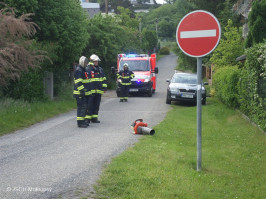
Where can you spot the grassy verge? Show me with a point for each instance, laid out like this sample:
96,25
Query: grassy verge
163,166
17,114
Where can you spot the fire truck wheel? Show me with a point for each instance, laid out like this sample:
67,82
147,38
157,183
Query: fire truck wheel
150,93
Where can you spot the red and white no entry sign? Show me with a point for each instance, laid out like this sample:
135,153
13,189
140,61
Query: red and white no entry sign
198,33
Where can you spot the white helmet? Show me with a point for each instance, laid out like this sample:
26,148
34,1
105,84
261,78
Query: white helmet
82,61
95,58
125,65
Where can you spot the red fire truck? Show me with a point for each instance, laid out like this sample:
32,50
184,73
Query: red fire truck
145,70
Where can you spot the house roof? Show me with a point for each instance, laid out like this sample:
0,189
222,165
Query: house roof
90,5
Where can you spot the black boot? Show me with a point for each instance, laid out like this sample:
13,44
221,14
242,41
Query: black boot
121,100
95,120
87,122
82,125
125,100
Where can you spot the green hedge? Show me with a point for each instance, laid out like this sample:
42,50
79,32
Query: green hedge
225,82
244,88
252,85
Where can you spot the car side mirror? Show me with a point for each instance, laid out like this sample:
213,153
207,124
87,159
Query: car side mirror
156,70
206,83
168,80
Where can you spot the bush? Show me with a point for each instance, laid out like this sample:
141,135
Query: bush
225,82
252,85
164,51
29,87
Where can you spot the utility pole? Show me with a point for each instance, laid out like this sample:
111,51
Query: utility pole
106,7
140,32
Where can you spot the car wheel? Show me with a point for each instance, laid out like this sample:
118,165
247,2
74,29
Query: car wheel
204,101
168,101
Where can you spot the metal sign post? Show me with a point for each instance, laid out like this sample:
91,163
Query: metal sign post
199,81
197,35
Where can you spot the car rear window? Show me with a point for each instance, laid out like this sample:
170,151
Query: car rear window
184,78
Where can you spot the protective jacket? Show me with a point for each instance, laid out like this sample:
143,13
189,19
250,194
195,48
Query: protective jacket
96,78
125,76
79,77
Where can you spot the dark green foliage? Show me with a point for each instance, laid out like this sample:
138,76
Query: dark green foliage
229,48
164,51
257,23
63,24
149,41
22,6
245,88
225,81
29,87
107,39
252,85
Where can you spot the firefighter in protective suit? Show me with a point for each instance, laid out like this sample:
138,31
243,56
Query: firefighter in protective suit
125,77
98,85
79,91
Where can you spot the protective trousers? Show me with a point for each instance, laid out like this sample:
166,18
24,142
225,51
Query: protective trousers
81,110
93,106
124,92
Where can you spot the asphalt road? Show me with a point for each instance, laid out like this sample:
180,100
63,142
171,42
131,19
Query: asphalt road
55,159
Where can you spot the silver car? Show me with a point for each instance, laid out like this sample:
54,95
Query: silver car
183,87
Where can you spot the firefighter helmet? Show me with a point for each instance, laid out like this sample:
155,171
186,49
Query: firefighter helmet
125,65
83,60
94,57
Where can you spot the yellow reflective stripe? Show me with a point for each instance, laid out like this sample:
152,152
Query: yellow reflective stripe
85,81
94,116
78,80
125,83
132,75
104,85
103,78
76,92
87,93
80,87
126,77
97,91
95,79
80,118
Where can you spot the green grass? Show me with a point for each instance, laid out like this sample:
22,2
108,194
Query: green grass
17,114
163,166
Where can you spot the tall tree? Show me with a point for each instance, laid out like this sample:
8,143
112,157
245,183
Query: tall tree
125,19
17,54
108,38
230,47
22,6
149,40
64,26
124,3
257,23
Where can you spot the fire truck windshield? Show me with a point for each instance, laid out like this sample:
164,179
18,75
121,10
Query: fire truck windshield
135,65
